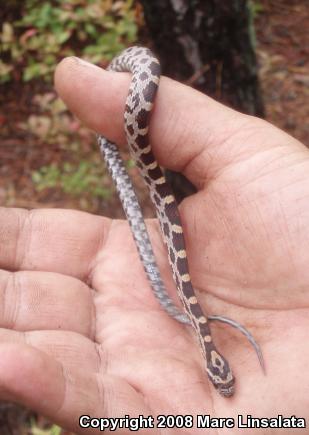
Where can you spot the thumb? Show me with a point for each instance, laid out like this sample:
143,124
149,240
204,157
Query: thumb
189,132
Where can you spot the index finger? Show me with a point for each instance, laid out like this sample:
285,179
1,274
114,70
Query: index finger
62,241
189,132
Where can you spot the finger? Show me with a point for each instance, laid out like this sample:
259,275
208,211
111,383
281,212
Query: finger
32,378
70,349
62,241
44,300
189,131
79,357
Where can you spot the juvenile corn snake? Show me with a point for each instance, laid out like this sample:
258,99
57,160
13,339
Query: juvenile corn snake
145,70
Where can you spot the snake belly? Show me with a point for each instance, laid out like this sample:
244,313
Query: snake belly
146,70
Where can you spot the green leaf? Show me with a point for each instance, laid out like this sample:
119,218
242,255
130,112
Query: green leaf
51,30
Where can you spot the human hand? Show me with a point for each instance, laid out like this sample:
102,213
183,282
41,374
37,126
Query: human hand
82,332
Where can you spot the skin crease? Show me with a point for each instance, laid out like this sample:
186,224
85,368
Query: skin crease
81,331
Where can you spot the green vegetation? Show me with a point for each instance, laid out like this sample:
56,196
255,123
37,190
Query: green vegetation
53,430
49,30
71,179
34,37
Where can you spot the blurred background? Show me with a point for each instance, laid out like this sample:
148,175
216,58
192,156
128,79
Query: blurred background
252,55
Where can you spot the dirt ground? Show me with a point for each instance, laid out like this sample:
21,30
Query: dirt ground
283,53
282,28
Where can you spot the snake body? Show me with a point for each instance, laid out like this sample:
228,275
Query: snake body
145,70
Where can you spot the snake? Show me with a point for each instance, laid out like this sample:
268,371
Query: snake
145,69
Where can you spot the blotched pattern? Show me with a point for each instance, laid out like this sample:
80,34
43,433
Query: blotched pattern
145,70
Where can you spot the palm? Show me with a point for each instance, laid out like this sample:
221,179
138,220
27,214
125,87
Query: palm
247,279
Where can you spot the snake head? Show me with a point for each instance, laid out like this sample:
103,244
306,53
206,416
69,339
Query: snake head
220,374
